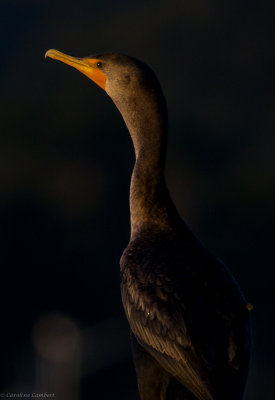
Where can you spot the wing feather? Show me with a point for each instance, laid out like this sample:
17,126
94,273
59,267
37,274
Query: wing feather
158,324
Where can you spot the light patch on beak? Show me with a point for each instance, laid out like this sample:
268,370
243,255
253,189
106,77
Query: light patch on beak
88,66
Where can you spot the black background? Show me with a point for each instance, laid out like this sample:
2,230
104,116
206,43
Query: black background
65,166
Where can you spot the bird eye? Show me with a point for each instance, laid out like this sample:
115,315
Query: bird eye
99,64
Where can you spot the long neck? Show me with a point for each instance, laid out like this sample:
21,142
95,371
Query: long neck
150,202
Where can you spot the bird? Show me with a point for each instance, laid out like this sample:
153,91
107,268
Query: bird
189,320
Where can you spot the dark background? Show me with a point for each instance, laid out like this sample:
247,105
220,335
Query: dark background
65,166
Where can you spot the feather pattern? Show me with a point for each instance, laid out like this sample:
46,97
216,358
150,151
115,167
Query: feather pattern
180,309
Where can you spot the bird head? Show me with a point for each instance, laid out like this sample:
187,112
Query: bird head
122,77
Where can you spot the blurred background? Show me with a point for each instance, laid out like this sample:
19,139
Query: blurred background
65,166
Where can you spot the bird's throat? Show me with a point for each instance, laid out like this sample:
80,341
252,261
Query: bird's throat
145,114
149,197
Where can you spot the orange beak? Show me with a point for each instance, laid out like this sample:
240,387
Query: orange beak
88,66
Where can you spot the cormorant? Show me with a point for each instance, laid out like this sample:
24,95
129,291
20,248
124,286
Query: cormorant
189,320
